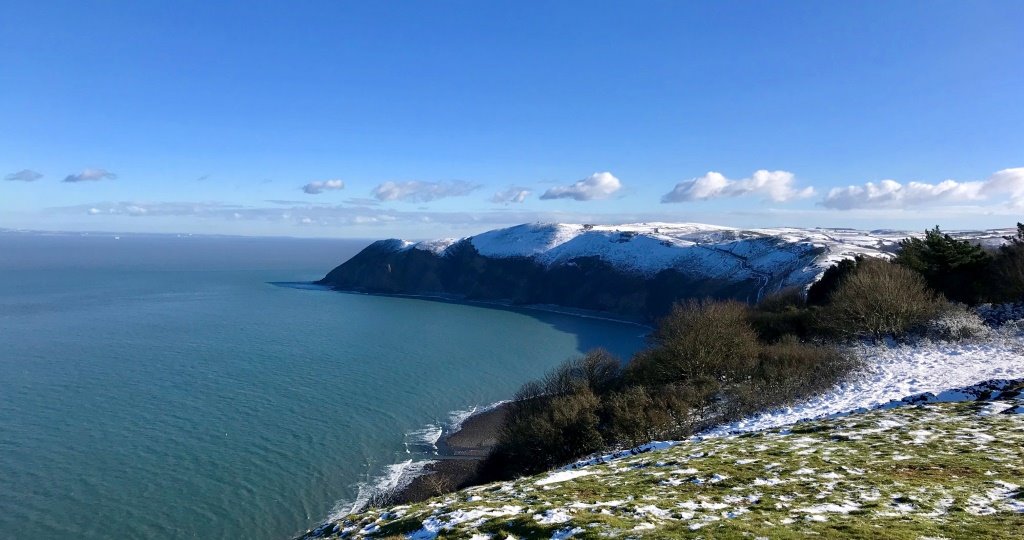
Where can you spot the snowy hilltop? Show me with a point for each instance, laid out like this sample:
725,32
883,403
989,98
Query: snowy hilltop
635,270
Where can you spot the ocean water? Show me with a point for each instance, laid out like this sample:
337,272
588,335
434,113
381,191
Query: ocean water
163,387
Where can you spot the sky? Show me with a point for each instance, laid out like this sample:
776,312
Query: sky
430,119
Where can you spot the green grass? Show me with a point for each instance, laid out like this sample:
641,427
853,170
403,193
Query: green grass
936,471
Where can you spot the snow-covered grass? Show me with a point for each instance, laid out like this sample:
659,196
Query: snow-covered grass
940,470
894,371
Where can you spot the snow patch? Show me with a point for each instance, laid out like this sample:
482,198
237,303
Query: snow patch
924,371
561,476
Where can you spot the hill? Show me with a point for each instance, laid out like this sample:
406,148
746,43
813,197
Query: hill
636,271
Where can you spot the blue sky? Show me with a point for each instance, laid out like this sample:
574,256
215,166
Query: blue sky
421,119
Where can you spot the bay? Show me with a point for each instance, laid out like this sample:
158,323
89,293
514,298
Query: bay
157,386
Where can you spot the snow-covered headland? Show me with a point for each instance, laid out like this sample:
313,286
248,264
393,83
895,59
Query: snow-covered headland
635,271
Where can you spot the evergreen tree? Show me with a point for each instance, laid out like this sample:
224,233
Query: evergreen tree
1007,282
956,268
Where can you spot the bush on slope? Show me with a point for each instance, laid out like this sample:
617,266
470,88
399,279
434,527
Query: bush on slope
706,364
877,300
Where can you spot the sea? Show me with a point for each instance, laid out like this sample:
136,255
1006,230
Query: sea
174,386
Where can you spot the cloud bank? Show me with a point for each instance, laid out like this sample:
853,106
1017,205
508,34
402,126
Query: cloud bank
511,195
599,185
24,175
318,187
418,191
90,175
776,186
1006,185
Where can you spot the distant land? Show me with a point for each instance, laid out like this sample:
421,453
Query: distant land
634,271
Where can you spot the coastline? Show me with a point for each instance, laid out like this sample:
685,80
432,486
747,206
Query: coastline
459,453
452,299
461,445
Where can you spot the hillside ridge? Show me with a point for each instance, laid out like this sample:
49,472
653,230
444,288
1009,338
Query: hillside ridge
633,270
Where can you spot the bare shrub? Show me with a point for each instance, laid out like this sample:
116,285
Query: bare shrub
545,432
955,323
791,369
788,371
438,484
879,299
782,300
634,417
598,370
700,339
820,292
780,314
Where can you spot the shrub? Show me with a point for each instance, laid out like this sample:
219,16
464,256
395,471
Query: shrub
821,291
788,371
780,314
687,405
545,432
598,371
699,339
956,268
954,323
1000,314
791,369
879,299
634,417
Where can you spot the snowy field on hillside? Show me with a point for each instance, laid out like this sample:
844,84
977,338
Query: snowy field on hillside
895,371
949,470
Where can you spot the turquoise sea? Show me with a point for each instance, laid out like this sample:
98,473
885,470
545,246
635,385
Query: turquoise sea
162,387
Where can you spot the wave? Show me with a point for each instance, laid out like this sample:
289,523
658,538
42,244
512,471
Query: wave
395,477
456,418
424,439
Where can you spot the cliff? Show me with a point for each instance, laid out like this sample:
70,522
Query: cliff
636,271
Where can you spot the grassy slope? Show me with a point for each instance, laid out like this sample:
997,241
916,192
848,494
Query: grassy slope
935,471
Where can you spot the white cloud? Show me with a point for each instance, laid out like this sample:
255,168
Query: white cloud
599,185
90,175
776,186
24,175
1006,185
511,195
320,186
417,191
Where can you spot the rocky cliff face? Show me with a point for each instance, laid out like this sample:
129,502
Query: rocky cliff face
636,271
585,283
